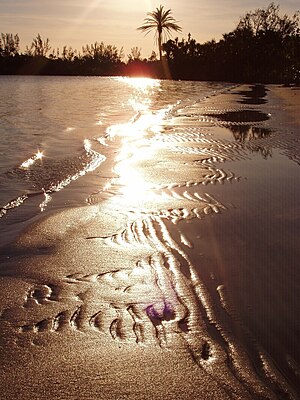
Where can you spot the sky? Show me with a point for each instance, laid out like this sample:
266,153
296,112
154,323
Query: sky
79,22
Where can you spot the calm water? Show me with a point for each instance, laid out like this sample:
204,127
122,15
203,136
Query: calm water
59,140
61,120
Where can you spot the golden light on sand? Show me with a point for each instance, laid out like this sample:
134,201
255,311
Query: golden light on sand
134,188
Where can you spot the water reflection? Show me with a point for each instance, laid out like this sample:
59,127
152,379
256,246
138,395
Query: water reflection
141,84
144,120
135,147
249,135
138,126
240,116
256,95
245,133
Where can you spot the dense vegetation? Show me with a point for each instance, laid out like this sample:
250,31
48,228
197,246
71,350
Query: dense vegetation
264,47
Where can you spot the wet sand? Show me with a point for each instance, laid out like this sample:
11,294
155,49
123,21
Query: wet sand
290,97
180,279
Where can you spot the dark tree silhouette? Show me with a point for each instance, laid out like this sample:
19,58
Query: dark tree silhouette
135,54
39,47
9,44
162,23
269,19
264,47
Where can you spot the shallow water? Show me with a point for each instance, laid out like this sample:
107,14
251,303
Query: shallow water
201,191
63,119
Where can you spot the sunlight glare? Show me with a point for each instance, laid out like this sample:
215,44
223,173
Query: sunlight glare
47,200
134,188
97,157
37,156
140,84
139,126
87,145
135,146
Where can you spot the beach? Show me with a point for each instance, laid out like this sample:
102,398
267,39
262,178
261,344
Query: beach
178,277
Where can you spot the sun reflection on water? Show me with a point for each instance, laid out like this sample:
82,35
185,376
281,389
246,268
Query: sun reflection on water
141,124
144,121
37,156
141,84
135,145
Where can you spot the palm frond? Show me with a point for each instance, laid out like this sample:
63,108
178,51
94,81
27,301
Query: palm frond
162,22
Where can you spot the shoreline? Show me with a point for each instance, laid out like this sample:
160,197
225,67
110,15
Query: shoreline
111,301
290,100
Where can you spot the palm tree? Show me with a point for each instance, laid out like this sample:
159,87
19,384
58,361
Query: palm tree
162,23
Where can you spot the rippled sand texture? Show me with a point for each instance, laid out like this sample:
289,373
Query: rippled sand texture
130,297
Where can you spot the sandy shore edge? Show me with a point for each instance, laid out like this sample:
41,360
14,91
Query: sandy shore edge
148,372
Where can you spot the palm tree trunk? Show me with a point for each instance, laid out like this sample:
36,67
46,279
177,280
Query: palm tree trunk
159,46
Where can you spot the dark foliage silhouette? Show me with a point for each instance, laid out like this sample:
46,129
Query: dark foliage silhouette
264,47
162,23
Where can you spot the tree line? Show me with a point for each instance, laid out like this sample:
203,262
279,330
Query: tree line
263,47
40,59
